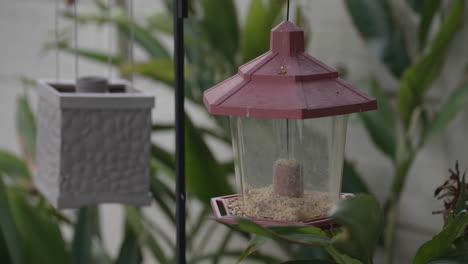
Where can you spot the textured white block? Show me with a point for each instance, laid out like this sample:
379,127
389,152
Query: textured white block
93,147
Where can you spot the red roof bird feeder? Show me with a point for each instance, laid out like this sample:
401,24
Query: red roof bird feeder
288,119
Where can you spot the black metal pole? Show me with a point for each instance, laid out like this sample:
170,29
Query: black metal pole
180,12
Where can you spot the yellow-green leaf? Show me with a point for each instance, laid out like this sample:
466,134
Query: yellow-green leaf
8,227
454,104
442,241
419,77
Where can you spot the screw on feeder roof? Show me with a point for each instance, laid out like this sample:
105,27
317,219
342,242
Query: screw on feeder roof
286,82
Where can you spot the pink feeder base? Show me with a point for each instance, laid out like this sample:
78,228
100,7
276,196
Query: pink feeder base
221,202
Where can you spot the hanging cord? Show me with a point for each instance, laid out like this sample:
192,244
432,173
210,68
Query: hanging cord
287,11
57,48
75,23
132,40
109,41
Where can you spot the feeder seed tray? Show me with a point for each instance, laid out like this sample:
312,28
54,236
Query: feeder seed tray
223,202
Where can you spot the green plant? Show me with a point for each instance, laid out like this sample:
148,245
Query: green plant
398,33
362,225
27,219
361,217
450,245
401,31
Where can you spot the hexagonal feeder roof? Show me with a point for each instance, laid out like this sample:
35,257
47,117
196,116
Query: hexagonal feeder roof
286,82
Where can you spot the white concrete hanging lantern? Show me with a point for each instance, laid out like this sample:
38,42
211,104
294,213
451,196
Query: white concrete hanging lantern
93,143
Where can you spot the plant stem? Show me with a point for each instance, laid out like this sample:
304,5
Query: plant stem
393,208
390,230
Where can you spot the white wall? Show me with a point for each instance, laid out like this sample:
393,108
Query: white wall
24,26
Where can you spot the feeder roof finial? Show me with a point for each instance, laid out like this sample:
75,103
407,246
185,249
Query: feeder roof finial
287,39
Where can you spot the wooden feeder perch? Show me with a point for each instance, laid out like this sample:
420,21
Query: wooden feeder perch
288,119
93,143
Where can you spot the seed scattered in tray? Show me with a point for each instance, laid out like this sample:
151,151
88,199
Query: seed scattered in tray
265,203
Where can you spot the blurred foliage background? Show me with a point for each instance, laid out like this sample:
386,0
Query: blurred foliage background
410,37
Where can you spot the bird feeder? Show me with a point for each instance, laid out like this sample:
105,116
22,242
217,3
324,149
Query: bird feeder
93,143
288,115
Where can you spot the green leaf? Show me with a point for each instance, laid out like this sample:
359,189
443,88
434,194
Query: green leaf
9,232
293,229
457,254
165,158
447,113
342,243
341,258
305,252
362,218
4,254
419,77
461,243
235,254
459,258
429,10
163,127
352,181
143,38
442,241
159,190
304,235
13,166
309,261
255,243
462,198
396,55
202,167
223,36
161,70
26,127
380,124
416,5
373,21
129,251
82,239
100,256
34,226
161,21
249,226
259,22
137,226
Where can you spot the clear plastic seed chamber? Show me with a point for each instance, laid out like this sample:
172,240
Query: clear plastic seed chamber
288,115
288,169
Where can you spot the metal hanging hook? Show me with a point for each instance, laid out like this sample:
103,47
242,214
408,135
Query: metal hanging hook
56,36
109,41
132,40
75,36
287,11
